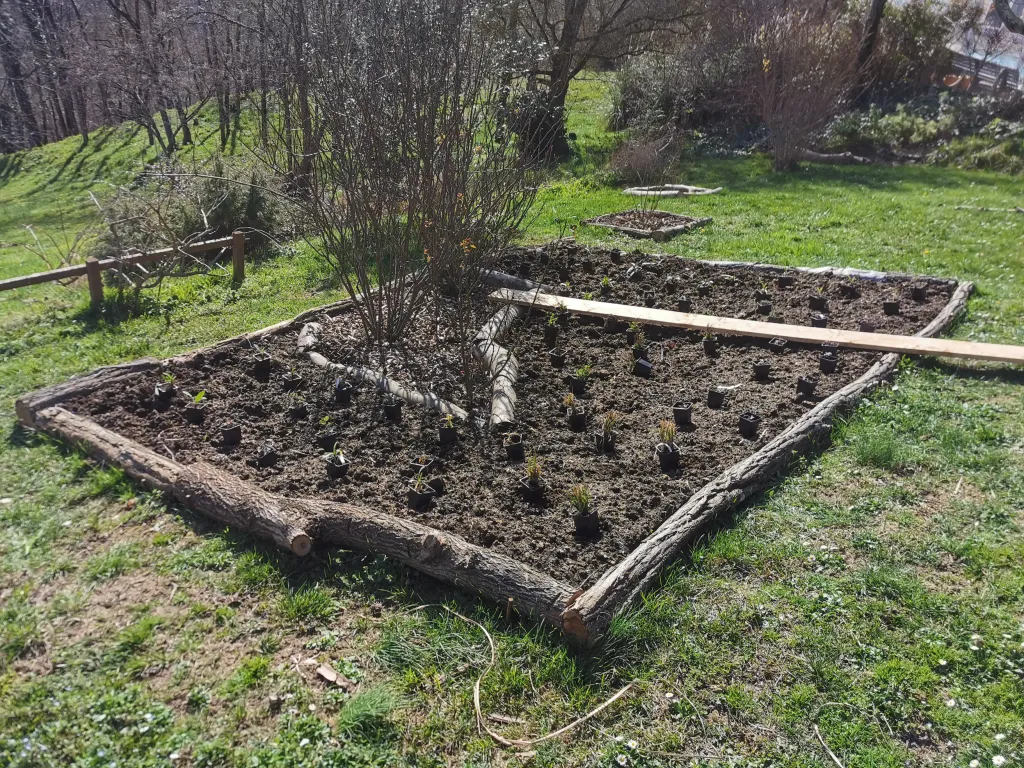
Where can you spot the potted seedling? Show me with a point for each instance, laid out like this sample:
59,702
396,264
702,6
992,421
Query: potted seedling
666,449
892,305
423,464
291,381
262,362
575,412
266,455
763,293
446,433
420,492
631,333
515,449
710,342
606,286
532,485
230,433
805,385
704,288
819,320
919,292
392,408
523,269
563,315
616,256
828,361
195,411
749,422
818,301
583,516
556,357
684,304
776,319
587,265
762,370
643,368
563,274
785,281
578,380
297,408
639,346
849,289
866,326
606,437
588,295
716,397
342,391
764,308
328,436
337,464
682,413
164,390
778,346
551,331
650,299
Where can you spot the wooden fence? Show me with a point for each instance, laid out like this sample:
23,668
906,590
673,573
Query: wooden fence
93,268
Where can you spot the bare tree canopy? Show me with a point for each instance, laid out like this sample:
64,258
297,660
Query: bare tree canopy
1013,22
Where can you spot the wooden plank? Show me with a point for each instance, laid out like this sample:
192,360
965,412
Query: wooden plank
237,257
877,342
42,277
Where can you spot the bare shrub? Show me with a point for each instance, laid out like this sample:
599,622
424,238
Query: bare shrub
803,66
646,160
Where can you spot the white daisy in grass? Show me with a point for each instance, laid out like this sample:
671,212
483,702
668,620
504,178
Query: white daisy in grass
622,760
998,760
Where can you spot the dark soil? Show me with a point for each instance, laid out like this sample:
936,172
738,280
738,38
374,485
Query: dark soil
646,220
481,502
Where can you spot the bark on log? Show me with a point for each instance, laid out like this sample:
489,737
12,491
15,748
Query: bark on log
667,233
309,337
838,158
589,615
295,524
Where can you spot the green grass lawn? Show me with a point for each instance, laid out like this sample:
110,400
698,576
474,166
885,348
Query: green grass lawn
876,595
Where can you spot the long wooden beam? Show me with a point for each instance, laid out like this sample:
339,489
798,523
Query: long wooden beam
877,342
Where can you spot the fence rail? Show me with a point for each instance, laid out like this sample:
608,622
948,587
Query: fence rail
94,268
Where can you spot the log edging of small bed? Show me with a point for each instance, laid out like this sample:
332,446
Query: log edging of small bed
589,615
660,235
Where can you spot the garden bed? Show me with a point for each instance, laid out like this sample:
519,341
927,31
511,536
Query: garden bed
660,225
294,410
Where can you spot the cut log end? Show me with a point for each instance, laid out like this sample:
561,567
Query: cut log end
301,545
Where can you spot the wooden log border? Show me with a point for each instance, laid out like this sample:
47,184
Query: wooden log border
660,235
297,524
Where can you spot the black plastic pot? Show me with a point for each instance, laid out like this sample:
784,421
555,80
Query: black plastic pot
195,413
716,397
606,290
563,274
830,346
326,441
785,281
605,441
805,385
587,266
682,413
643,368
668,455
891,307
266,455
298,411
684,304
447,435
613,325
437,485
762,294
828,362
817,302
650,299
778,346
919,292
704,288
563,318
550,335
557,358
291,382
524,269
616,256
762,370
640,353
630,337
262,362
515,448
849,290
577,384
532,492
577,418
231,434
337,467
819,320
710,346
749,422
421,498
775,319
587,524
392,409
764,308
343,391
163,392
417,467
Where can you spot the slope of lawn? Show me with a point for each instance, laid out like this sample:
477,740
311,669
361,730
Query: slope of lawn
875,597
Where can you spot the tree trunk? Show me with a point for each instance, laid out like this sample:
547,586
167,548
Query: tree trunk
867,47
12,66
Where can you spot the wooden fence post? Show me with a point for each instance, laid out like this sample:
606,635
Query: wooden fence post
95,277
237,257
